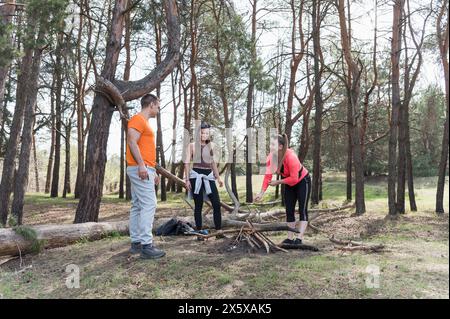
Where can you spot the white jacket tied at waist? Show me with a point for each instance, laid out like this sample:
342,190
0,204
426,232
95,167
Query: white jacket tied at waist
202,178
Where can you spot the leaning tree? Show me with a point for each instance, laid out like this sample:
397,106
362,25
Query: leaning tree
112,94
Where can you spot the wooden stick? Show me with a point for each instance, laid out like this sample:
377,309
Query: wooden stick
345,242
273,244
246,238
253,238
373,248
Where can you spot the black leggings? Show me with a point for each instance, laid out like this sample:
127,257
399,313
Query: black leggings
198,200
299,192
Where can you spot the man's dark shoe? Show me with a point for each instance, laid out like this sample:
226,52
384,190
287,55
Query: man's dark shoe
204,232
298,241
287,241
135,248
151,252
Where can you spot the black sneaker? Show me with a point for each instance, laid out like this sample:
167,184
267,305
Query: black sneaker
297,241
287,241
135,248
151,252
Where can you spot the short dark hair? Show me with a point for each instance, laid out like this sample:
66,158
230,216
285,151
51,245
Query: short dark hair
148,99
205,125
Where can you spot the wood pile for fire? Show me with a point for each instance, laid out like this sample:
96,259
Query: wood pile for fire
253,239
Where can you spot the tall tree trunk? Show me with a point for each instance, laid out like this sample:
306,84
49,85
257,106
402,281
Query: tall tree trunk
13,142
443,39
296,57
161,157
36,168
171,185
123,132
402,117
80,146
66,188
396,103
52,139
409,167
79,89
304,137
318,103
249,116
21,178
194,91
401,160
353,96
159,138
6,14
222,59
349,164
234,188
58,115
122,162
4,111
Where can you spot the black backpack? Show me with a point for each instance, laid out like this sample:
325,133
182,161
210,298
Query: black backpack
174,227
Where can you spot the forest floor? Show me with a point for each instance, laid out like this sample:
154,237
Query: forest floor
415,263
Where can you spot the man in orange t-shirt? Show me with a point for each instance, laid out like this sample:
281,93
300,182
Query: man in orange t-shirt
141,160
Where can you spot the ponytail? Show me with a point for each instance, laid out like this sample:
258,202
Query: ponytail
282,140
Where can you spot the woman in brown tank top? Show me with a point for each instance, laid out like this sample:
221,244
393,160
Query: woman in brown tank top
202,177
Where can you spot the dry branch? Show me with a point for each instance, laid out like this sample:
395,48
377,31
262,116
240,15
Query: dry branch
350,245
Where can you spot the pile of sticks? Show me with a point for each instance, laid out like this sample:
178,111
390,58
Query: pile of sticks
254,239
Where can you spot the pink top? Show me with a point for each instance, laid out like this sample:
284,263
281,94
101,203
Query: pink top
290,174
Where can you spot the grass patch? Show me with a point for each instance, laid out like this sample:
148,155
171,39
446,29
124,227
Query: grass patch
29,234
224,279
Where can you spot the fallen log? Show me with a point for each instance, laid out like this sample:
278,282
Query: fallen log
13,243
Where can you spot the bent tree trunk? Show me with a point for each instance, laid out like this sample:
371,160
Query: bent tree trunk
102,112
89,204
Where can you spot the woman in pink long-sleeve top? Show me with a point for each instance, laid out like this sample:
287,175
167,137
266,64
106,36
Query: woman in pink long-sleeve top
283,160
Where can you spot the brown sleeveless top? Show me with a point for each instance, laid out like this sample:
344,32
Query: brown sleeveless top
204,159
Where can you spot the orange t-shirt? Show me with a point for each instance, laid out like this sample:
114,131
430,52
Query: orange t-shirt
146,142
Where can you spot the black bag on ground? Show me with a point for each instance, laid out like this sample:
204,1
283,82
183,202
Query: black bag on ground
174,227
